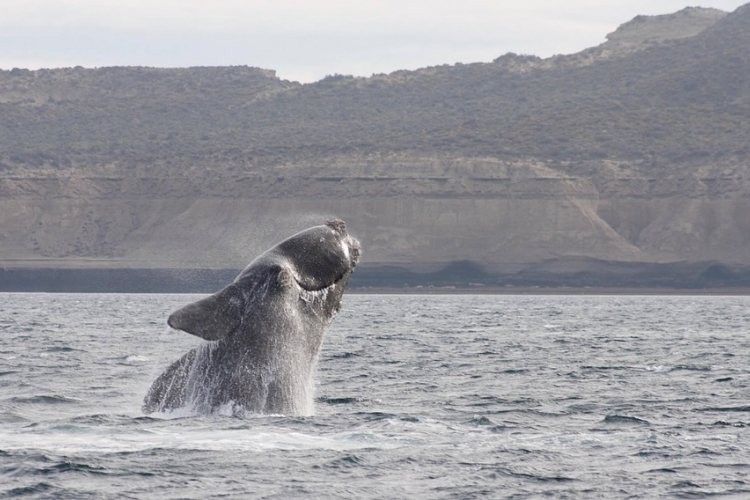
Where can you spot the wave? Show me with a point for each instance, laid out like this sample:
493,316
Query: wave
742,409
338,401
44,399
624,419
34,489
63,349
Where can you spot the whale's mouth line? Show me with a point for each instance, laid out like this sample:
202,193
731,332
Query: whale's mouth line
312,289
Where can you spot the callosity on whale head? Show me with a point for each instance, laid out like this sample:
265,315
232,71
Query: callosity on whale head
267,327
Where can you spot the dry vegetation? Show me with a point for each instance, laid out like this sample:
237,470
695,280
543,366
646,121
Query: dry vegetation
669,102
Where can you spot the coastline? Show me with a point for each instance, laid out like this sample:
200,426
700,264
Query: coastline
534,290
376,281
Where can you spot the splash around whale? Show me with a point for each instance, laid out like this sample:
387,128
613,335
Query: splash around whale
263,331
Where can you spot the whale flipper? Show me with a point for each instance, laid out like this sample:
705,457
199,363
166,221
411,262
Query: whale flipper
212,318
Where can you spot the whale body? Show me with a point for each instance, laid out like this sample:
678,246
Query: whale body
263,331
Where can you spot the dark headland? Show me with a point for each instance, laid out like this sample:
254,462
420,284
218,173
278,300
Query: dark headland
624,166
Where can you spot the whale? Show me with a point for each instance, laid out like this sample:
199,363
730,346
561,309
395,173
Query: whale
262,332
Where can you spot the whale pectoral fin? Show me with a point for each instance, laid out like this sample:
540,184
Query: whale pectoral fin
212,318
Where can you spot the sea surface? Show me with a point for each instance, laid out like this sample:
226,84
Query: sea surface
418,397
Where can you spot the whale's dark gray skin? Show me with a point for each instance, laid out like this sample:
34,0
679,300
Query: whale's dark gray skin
264,330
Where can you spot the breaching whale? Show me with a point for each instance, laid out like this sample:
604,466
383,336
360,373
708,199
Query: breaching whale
264,330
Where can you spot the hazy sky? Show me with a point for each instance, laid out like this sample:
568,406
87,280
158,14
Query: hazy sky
306,40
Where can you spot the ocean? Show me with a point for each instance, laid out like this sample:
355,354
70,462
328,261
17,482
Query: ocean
418,397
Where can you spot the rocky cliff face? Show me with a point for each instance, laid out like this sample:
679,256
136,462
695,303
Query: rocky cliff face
633,151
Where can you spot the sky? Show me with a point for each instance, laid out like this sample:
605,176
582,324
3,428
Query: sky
306,40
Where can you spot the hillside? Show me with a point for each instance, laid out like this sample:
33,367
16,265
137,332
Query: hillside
633,151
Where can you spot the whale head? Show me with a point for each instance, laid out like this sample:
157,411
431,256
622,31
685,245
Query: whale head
307,272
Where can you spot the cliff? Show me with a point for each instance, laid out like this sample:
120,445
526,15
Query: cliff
633,151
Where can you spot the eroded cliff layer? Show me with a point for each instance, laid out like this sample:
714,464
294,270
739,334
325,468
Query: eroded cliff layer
414,211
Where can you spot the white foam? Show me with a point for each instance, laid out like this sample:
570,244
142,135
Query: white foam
82,439
134,358
659,368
